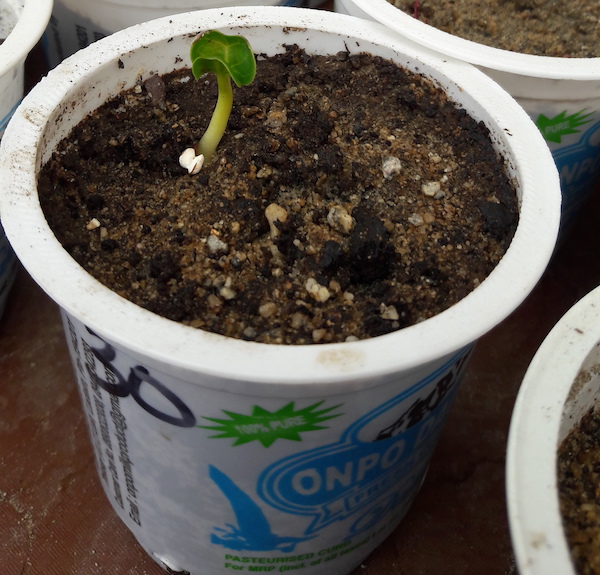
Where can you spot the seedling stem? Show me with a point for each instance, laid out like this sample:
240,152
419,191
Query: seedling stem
229,58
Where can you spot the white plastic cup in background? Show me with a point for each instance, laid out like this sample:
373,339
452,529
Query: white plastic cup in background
11,78
561,384
77,23
27,21
221,454
561,95
21,27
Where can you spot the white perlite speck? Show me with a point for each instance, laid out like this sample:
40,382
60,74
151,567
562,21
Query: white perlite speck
390,166
431,188
416,220
388,312
316,290
93,224
275,213
216,245
340,220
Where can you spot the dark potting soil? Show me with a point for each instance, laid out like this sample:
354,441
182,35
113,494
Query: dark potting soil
563,28
349,198
579,490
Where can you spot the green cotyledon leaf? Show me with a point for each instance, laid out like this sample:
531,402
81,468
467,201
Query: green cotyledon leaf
216,52
553,129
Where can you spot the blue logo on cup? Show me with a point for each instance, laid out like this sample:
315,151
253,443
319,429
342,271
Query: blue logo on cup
373,470
579,168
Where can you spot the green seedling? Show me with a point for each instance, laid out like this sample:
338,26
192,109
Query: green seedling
229,58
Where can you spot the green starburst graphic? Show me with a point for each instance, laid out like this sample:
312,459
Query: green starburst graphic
267,427
553,129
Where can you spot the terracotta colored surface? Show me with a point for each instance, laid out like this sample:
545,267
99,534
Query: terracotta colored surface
54,518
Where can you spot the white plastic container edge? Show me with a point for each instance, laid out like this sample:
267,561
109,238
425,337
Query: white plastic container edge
232,359
33,17
562,95
22,27
545,411
479,54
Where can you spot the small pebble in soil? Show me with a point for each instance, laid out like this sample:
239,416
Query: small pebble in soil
391,165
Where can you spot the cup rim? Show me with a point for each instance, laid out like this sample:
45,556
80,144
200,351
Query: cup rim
25,35
535,435
460,325
547,67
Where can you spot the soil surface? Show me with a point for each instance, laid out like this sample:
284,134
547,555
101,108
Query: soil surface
564,28
579,489
348,199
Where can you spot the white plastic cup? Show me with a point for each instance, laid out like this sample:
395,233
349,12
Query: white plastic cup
561,384
77,23
561,95
223,455
22,24
27,21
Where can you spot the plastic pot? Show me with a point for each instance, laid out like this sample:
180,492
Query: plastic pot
21,27
224,455
560,386
562,95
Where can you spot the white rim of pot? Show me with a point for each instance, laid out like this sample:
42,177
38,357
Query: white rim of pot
175,5
191,349
25,35
480,54
535,433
